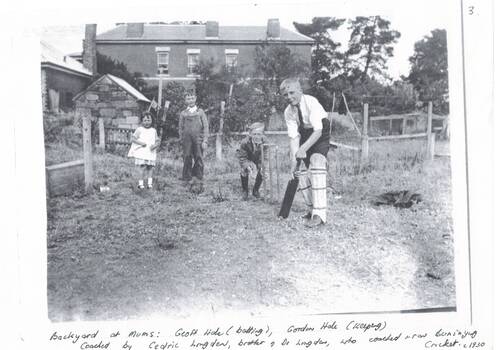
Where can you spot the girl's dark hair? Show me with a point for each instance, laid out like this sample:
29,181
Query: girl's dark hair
147,114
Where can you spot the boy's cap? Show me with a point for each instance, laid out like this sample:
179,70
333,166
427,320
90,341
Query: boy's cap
256,126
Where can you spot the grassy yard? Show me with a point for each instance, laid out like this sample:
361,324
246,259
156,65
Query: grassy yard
168,252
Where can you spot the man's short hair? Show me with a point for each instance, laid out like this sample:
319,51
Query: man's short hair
190,92
289,82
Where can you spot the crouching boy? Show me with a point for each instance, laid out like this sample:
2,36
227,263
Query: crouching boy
250,158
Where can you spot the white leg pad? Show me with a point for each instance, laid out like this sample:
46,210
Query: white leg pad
305,187
318,185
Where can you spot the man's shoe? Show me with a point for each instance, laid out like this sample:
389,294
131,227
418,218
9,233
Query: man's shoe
256,194
314,222
245,196
307,216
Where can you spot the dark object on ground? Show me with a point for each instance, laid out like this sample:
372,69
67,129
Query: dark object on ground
399,199
431,275
315,221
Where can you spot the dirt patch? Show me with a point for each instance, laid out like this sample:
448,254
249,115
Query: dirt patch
126,254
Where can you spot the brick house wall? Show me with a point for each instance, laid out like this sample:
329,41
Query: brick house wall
142,57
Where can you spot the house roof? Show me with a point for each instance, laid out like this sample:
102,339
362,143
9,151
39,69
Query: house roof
118,81
175,32
52,57
126,86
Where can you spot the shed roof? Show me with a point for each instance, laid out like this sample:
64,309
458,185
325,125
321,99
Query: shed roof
197,32
126,86
50,56
121,83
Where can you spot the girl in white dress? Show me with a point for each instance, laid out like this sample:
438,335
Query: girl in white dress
144,149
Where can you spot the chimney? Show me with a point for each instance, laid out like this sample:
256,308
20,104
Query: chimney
90,48
273,28
212,29
134,30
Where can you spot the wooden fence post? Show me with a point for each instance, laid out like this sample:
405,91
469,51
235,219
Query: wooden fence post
404,125
431,155
101,134
364,137
276,160
263,172
219,135
87,149
429,139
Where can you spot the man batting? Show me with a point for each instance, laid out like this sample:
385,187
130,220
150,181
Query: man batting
309,131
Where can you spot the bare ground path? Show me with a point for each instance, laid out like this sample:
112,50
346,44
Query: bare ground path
122,254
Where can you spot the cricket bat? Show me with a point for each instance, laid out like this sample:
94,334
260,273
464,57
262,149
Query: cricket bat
290,191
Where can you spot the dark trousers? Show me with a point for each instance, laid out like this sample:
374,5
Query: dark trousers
193,163
321,146
245,182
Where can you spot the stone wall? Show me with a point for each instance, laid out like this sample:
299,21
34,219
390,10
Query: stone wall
109,101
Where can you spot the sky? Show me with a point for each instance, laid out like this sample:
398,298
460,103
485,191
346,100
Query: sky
413,19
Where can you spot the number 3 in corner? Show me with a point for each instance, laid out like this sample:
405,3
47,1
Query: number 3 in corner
471,10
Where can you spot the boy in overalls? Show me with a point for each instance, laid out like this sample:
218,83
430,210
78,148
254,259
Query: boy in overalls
250,157
193,132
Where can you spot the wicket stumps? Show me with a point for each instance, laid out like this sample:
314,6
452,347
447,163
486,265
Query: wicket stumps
270,170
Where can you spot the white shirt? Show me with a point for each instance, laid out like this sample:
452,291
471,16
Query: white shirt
149,136
312,115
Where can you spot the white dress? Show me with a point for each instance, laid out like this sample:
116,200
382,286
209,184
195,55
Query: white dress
144,155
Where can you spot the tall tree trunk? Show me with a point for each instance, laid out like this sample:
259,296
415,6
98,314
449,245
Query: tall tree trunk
370,52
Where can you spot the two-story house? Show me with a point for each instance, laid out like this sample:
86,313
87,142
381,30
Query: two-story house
174,51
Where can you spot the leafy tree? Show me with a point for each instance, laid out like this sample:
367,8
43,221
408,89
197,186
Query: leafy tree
429,74
253,99
403,97
273,64
108,65
325,60
213,86
371,44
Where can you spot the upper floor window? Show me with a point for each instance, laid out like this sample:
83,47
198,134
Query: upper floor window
162,60
231,59
193,60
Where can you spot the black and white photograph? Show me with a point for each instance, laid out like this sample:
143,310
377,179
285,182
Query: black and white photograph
253,161
169,147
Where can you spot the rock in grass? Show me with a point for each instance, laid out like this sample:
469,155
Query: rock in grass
432,275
